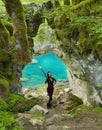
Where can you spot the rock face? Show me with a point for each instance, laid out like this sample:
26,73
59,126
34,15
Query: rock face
85,78
34,16
82,48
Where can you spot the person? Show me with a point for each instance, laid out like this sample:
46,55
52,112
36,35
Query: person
50,89
51,82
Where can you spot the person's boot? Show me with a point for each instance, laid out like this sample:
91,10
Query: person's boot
48,105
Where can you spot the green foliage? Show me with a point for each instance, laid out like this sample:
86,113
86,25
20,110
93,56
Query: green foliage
100,87
8,24
78,25
3,105
4,87
37,115
83,109
2,7
44,33
35,1
79,110
97,109
8,122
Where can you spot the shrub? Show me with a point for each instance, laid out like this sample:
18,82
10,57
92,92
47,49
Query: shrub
8,122
3,105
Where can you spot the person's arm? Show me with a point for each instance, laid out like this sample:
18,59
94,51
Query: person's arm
43,71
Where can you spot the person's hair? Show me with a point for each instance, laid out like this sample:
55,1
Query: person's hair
48,72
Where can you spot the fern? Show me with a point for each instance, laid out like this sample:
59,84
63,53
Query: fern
8,122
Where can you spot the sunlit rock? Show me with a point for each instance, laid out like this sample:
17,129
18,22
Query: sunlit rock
23,79
34,61
39,108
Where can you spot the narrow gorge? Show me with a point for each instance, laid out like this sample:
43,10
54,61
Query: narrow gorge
71,30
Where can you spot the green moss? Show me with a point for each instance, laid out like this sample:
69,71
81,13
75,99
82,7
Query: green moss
4,87
4,36
9,26
97,109
79,110
18,103
20,30
5,52
24,105
38,115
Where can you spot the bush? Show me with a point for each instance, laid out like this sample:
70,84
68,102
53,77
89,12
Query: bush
3,105
8,122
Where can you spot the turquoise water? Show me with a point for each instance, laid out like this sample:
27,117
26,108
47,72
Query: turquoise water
49,62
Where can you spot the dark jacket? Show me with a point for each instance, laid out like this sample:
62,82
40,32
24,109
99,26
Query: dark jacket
51,81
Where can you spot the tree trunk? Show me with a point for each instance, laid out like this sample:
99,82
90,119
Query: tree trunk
16,13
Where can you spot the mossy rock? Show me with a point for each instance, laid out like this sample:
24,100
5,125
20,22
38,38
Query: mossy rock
18,103
74,101
4,88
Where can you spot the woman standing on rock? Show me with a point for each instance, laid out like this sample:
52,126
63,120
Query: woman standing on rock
50,89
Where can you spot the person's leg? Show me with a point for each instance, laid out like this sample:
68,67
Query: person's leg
50,94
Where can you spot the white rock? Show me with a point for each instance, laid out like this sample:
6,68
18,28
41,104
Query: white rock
25,90
39,108
67,90
34,61
23,79
36,122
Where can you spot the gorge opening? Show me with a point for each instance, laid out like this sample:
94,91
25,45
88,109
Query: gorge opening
32,76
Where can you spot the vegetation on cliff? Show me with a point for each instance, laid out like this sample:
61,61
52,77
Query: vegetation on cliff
14,52
78,24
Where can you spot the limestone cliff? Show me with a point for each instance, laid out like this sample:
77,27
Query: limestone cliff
78,26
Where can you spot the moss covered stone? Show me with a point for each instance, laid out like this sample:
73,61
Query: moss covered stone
74,101
4,87
18,103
